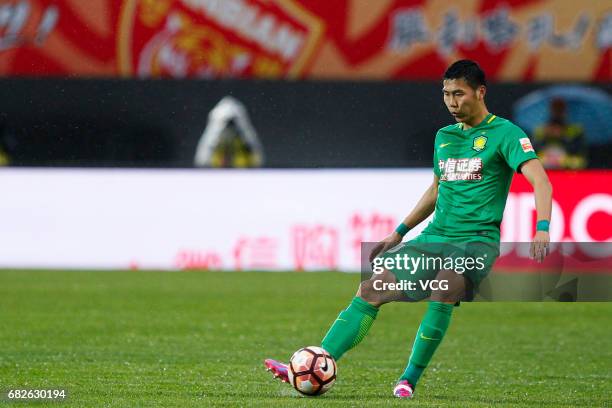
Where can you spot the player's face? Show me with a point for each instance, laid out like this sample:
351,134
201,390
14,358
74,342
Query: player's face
462,101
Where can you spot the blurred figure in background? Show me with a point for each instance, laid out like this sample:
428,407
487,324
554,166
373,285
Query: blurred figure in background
561,145
4,157
229,139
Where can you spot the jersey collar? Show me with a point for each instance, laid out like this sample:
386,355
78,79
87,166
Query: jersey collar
488,119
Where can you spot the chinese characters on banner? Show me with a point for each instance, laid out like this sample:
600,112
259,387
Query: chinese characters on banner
580,214
350,39
312,247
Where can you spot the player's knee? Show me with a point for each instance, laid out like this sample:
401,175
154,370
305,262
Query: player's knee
449,295
452,291
368,293
444,296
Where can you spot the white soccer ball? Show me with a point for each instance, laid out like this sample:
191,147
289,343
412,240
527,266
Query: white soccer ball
312,371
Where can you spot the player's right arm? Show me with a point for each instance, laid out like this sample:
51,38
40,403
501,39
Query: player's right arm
423,209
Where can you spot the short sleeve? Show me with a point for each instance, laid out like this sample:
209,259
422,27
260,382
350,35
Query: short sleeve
436,166
516,148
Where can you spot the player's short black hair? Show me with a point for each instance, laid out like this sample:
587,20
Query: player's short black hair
469,70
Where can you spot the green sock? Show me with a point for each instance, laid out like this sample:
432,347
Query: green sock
350,327
429,336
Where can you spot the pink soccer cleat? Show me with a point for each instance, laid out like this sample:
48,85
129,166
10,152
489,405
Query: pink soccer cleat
403,389
278,369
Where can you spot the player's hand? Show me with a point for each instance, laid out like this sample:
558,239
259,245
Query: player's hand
384,245
539,246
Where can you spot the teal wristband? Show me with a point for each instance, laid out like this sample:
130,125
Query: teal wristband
543,225
402,229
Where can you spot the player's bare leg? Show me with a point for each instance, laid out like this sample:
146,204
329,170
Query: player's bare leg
458,286
432,330
377,298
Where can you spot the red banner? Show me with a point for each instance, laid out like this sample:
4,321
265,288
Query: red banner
581,220
518,40
582,208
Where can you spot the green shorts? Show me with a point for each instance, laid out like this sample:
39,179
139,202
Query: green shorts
420,260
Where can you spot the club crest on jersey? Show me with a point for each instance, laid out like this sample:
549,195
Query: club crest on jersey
479,143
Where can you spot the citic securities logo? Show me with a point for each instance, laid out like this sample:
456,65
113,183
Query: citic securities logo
460,169
216,38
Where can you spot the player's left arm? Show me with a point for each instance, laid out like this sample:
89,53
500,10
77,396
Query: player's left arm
536,175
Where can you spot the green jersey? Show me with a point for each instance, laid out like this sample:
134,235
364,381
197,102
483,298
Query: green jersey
475,168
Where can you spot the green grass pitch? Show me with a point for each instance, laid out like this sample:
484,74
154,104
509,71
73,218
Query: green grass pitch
127,339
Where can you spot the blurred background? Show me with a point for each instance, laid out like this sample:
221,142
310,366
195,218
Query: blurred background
121,119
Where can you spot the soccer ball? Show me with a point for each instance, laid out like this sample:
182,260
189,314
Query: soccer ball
312,371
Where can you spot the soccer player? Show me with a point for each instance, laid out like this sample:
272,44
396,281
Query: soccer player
474,162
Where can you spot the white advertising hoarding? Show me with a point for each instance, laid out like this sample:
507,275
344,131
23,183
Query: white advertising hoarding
177,219
246,219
